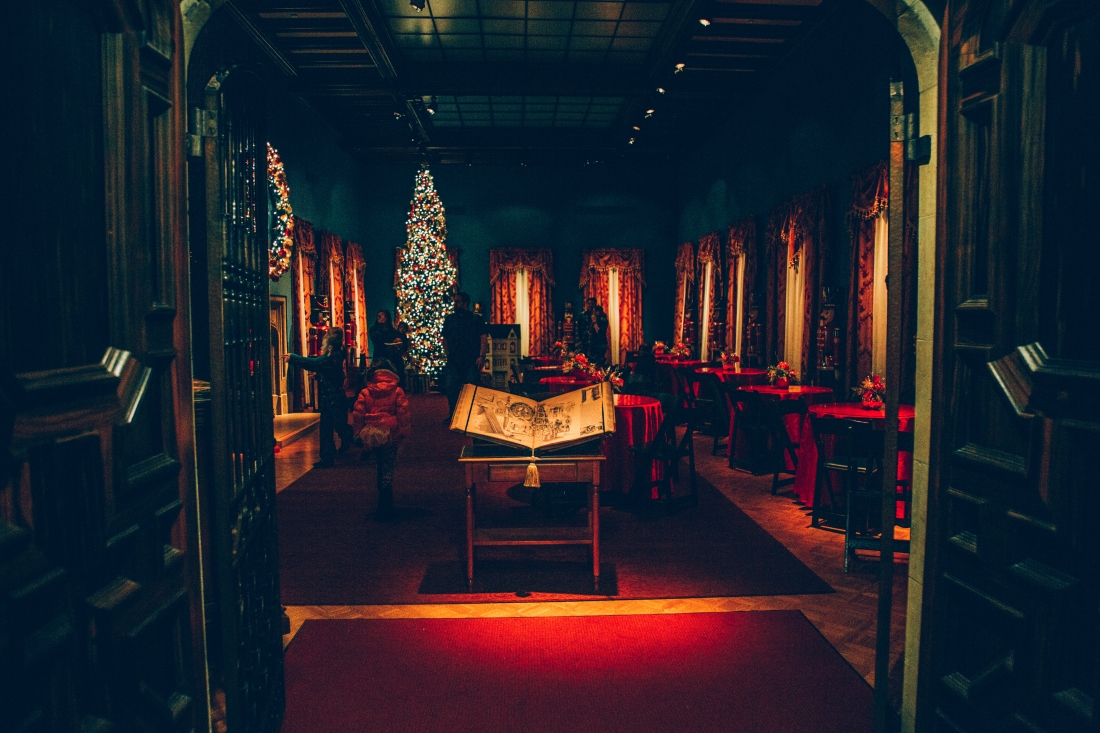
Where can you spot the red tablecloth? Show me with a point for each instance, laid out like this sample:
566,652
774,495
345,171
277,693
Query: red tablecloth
558,385
810,393
807,452
740,377
637,420
546,360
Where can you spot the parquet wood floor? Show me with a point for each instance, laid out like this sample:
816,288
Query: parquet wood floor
846,618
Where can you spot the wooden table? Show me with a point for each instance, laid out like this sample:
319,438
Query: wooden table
491,464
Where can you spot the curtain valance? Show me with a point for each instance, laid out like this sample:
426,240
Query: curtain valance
742,235
512,259
602,260
708,248
685,261
303,236
870,192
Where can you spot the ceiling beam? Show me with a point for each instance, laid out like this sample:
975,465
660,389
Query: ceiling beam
260,39
374,35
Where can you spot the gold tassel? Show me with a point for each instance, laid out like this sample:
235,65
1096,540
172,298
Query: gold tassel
532,479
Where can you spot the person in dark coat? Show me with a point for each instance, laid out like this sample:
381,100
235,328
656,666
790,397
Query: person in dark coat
329,367
597,337
382,336
465,340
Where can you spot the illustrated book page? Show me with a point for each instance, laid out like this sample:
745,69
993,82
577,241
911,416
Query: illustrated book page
557,422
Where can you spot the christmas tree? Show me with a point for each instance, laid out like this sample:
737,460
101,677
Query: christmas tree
425,277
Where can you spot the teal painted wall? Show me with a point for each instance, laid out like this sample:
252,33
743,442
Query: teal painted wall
822,115
567,208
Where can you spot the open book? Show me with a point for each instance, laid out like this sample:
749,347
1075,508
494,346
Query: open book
557,422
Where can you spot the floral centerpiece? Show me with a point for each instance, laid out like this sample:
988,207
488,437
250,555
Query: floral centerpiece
679,350
558,350
730,360
575,363
659,348
611,374
872,391
782,375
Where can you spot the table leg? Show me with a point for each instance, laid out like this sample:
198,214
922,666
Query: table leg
595,535
470,537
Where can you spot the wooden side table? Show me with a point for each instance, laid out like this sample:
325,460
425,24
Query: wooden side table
490,464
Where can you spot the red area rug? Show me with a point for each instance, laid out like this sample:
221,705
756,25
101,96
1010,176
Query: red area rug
765,671
332,552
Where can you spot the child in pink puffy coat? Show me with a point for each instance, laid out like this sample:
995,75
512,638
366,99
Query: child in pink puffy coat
381,421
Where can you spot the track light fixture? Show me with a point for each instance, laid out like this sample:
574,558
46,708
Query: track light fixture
660,90
678,68
432,106
397,115
648,113
702,21
418,4
637,128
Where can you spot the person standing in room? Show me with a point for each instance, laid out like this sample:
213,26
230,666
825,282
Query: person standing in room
583,327
381,420
465,340
382,335
597,337
329,367
400,350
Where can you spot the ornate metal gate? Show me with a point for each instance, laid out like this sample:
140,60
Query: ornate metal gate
245,556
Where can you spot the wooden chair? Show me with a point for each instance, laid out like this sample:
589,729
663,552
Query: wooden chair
838,463
748,420
781,445
863,503
667,449
705,393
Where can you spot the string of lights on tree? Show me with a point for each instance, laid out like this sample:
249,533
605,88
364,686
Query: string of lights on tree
425,276
282,224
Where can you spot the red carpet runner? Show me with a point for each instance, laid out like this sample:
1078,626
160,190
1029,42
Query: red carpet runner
765,671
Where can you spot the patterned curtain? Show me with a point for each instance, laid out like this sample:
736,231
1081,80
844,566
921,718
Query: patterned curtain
539,264
355,294
302,265
332,272
741,243
709,253
685,275
630,263
871,197
796,233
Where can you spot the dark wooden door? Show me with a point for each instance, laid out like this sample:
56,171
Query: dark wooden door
248,616
1011,637
96,489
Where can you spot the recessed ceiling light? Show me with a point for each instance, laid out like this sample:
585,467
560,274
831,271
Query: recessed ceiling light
637,128
432,106
679,68
660,90
631,141
702,21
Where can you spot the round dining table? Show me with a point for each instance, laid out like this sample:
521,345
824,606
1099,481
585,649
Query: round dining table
811,394
550,361
560,385
637,420
806,478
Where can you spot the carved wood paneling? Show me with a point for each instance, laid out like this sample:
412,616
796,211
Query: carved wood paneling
95,567
1014,581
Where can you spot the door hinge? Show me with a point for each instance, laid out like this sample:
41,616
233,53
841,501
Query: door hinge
204,123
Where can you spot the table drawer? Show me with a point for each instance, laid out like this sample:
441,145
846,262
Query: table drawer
548,473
